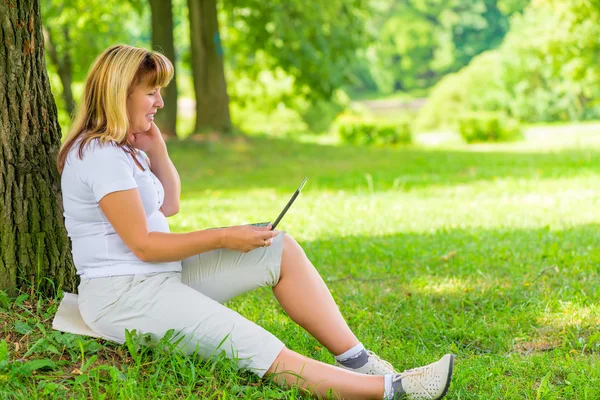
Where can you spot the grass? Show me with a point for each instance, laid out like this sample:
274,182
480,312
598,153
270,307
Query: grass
486,251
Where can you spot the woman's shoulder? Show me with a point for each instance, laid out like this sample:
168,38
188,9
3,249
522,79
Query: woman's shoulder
96,148
96,154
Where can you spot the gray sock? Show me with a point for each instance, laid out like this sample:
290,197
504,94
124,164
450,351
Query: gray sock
354,358
356,361
393,389
397,389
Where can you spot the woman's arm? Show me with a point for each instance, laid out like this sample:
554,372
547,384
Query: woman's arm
125,212
153,144
162,166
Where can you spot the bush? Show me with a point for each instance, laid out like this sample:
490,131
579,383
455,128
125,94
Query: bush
488,127
374,133
477,87
545,70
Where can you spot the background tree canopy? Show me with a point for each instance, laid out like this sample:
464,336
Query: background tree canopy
545,70
291,66
416,42
76,31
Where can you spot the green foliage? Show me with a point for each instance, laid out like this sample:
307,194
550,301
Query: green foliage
78,30
476,87
509,7
547,69
267,104
313,42
271,104
380,133
416,42
556,73
488,127
319,115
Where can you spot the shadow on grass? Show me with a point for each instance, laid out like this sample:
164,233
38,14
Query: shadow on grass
281,164
482,291
513,305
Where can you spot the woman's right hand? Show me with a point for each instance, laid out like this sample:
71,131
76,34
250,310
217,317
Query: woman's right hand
245,238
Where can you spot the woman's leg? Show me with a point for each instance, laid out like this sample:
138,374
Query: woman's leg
320,379
153,304
224,274
297,285
306,299
429,382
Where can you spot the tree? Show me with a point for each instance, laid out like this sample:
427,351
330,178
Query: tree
212,101
312,42
33,241
162,40
64,66
76,31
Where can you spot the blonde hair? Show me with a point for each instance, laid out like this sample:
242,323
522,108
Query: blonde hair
103,111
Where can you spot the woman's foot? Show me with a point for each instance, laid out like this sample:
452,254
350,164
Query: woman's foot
424,383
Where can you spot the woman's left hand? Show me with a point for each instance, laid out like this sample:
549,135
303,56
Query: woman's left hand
149,142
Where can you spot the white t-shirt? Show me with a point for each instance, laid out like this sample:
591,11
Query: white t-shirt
98,251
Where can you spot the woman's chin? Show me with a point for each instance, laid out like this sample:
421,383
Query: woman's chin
145,127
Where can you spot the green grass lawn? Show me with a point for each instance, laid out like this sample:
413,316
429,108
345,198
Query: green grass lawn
488,251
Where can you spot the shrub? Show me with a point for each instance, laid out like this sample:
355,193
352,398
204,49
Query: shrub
359,132
545,70
488,127
476,87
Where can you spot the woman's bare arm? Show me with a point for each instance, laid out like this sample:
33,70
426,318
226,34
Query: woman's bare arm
125,212
162,166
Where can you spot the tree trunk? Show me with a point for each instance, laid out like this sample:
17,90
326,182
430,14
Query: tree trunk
212,101
33,241
162,40
64,69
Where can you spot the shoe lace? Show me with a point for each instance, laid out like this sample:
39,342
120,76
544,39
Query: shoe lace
414,373
376,357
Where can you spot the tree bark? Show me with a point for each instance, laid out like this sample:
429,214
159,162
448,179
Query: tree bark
162,40
212,101
35,251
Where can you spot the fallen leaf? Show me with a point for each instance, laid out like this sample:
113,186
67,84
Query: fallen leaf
449,256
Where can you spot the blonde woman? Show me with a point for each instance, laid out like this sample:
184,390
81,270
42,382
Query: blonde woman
119,186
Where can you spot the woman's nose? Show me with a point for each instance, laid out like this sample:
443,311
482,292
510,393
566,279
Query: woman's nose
159,103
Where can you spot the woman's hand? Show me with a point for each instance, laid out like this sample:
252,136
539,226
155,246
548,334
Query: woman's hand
245,238
149,142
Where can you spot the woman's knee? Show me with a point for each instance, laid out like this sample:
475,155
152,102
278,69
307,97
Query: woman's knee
290,245
279,361
292,256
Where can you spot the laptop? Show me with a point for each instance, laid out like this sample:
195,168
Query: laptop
287,206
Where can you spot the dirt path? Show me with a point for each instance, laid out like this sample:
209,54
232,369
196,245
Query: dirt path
392,104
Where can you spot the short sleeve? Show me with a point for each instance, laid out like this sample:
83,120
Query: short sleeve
106,169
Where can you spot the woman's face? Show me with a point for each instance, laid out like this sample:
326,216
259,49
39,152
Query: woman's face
142,104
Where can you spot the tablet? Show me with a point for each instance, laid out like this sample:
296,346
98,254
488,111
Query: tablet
287,206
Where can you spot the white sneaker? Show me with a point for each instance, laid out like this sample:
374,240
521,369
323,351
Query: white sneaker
428,382
375,366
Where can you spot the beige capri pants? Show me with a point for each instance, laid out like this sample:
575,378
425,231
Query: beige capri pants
190,303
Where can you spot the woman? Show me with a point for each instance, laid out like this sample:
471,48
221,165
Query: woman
118,187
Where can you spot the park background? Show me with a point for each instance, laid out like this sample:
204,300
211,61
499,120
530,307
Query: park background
452,154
